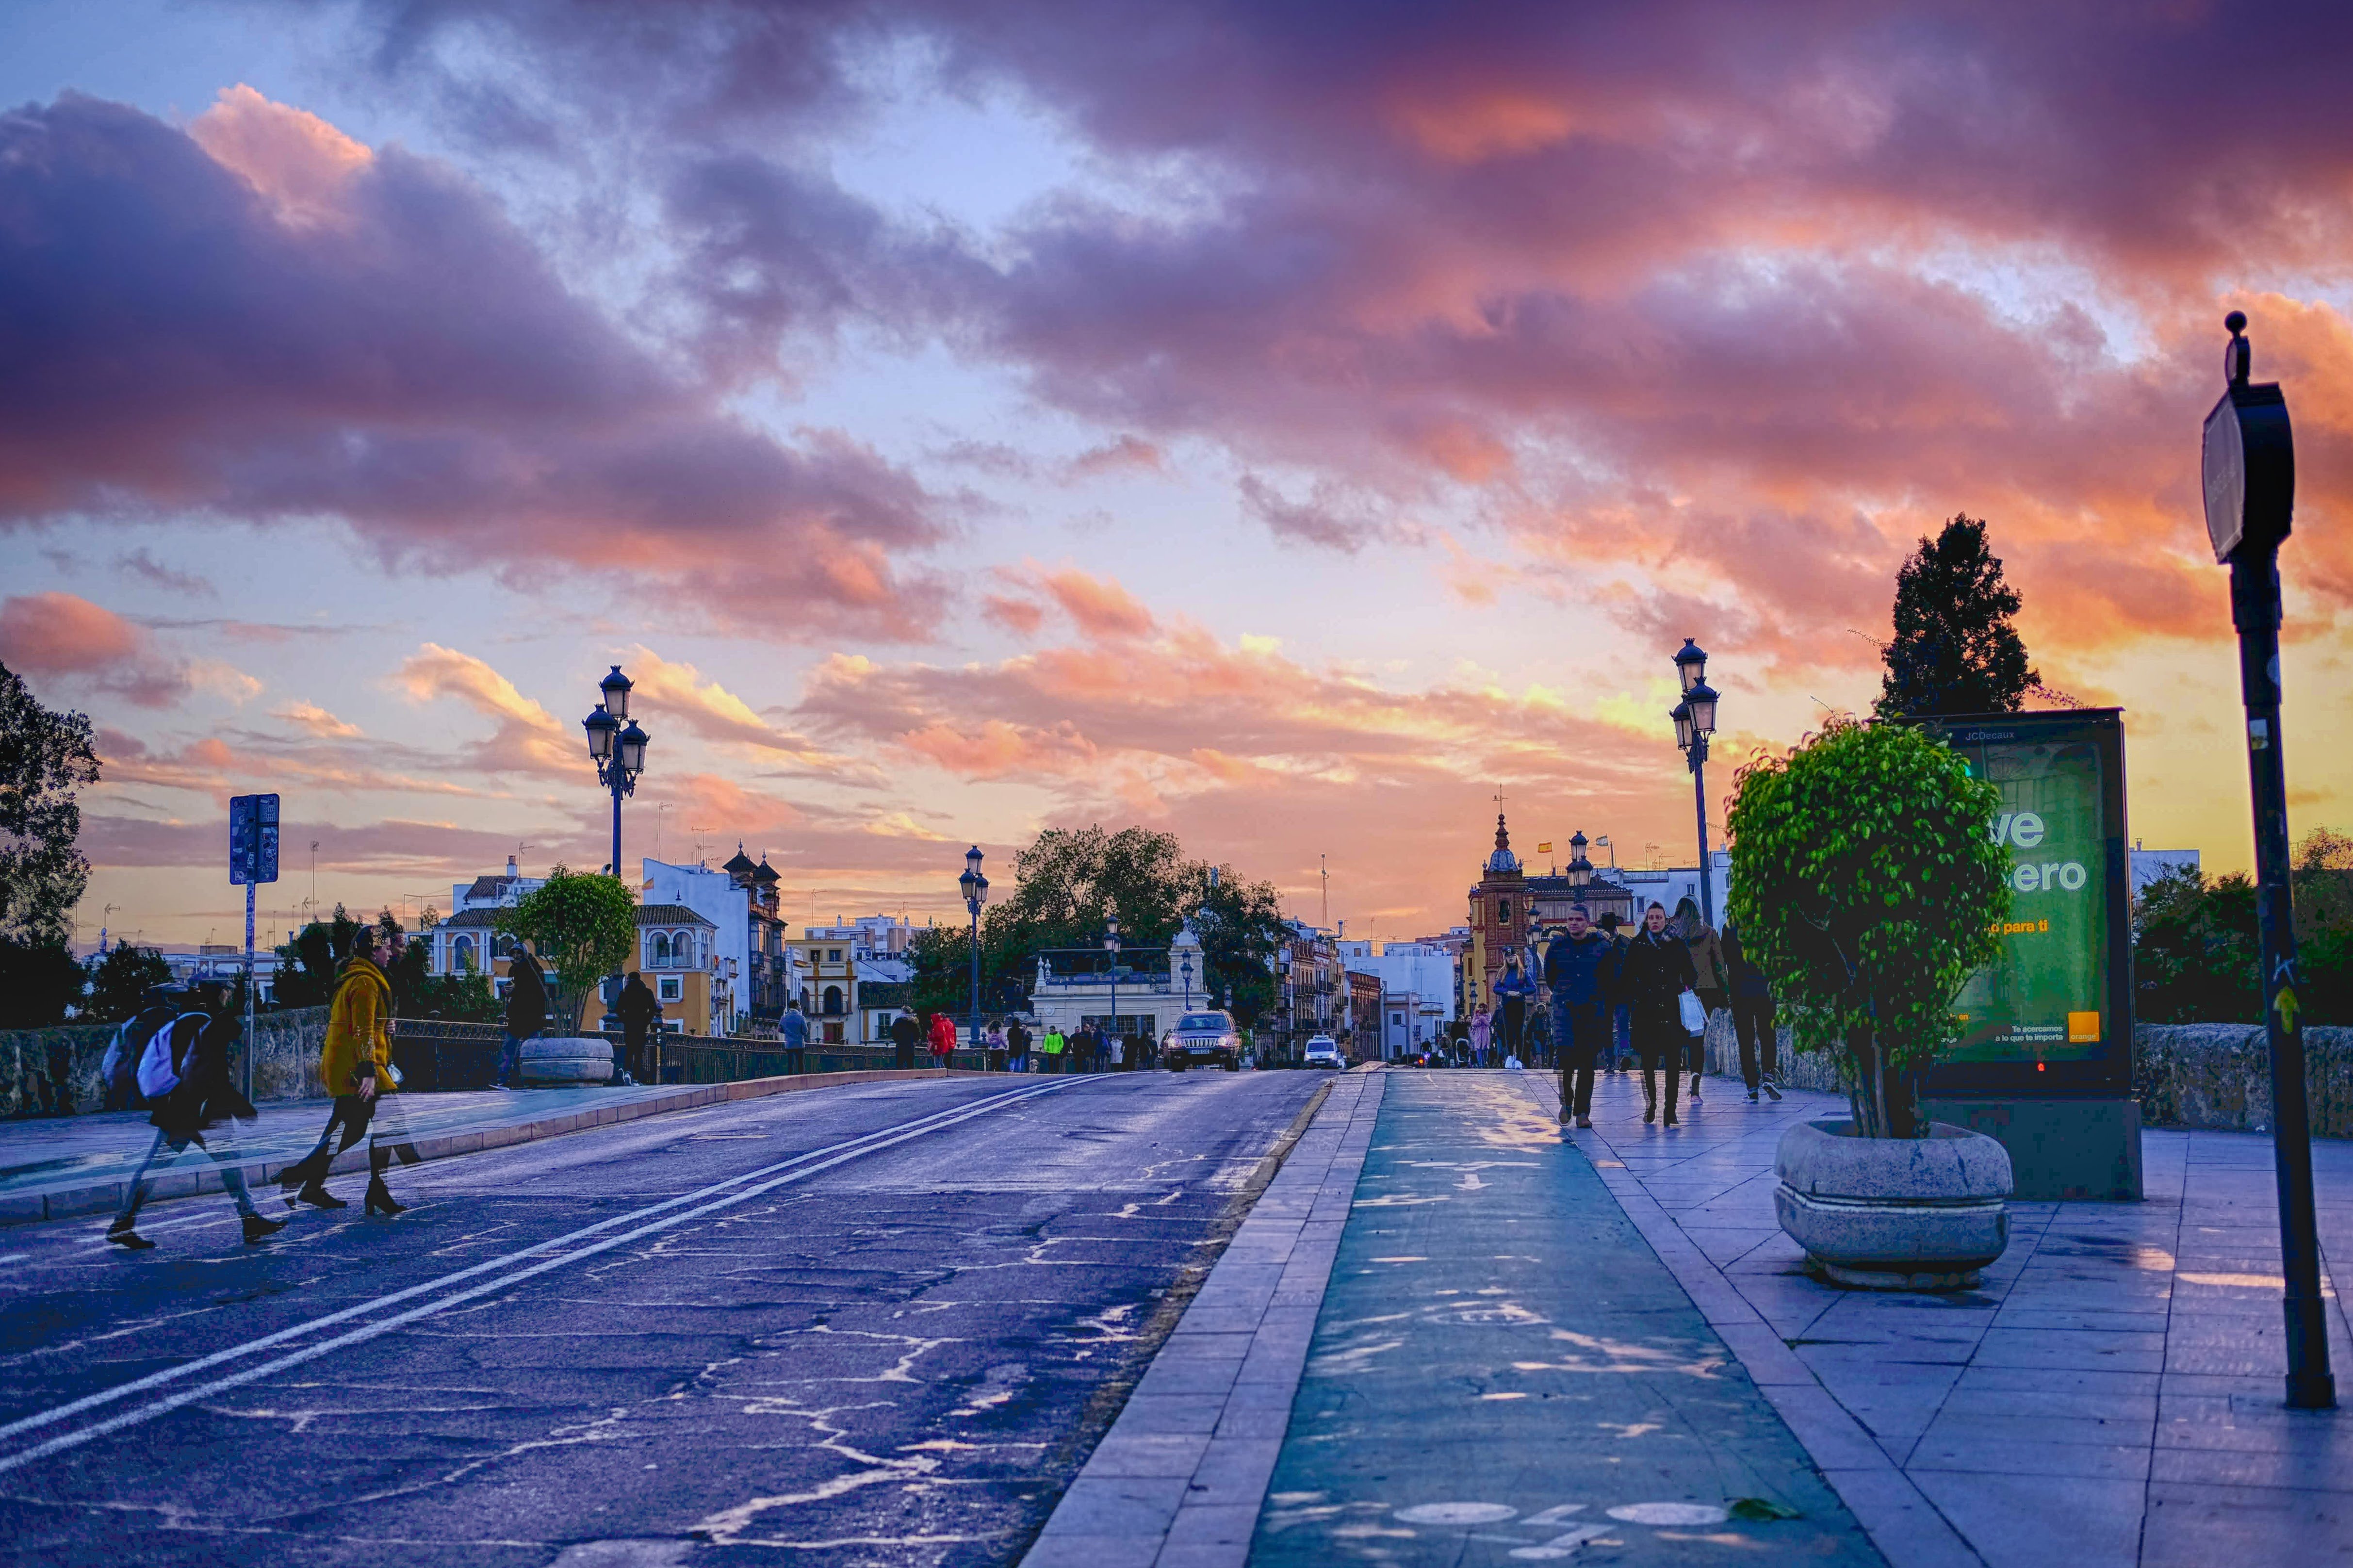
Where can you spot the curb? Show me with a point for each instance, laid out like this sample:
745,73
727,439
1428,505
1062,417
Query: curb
1182,1474
106,1197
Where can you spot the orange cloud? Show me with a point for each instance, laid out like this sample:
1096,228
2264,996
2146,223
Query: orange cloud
301,164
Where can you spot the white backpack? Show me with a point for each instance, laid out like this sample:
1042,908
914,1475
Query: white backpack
158,1074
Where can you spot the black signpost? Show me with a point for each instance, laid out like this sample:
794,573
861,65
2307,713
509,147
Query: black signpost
252,859
2248,463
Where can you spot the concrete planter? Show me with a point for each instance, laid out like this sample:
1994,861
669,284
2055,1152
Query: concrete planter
567,1058
1894,1213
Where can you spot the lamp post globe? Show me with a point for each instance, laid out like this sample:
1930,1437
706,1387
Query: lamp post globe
601,727
1690,664
1702,700
1682,715
616,687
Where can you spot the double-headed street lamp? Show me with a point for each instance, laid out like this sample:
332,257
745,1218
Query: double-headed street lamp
1694,719
1580,869
618,747
2249,468
976,893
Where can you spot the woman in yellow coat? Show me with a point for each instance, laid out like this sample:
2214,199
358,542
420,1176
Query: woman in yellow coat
355,1066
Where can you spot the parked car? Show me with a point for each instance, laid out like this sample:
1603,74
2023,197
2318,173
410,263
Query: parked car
1203,1039
1324,1051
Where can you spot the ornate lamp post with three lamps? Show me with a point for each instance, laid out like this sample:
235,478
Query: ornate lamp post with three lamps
618,748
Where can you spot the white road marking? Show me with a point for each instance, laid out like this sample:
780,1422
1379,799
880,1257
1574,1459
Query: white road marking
781,1173
1669,1513
1456,1513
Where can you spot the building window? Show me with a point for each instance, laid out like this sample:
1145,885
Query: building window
832,1034
659,957
669,987
1503,910
832,1001
833,955
461,955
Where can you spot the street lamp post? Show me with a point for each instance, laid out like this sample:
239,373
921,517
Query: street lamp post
1580,869
2248,463
976,893
1111,947
1694,719
618,749
1188,967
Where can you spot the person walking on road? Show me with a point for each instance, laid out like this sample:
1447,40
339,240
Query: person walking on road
526,1012
795,1030
1580,966
904,1033
1051,1049
355,1065
944,1040
185,1066
995,1042
1017,1047
1622,1018
1707,964
1752,1017
1657,970
1483,1028
639,1014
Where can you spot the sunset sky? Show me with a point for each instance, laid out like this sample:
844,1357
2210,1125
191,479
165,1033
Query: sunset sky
1291,425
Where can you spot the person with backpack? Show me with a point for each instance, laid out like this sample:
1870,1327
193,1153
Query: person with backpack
118,1070
354,1064
183,1073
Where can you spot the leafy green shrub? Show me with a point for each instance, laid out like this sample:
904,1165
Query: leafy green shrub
1867,883
582,928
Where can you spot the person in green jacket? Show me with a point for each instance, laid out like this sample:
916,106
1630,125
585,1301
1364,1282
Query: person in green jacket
1050,1048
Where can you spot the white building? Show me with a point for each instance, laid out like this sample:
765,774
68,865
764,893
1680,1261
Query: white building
872,951
467,942
2148,865
1076,987
1418,990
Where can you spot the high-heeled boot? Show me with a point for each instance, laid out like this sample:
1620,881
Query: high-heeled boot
379,1198
315,1193
261,1228
1650,1096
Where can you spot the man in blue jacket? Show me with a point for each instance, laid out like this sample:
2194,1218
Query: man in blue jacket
1580,968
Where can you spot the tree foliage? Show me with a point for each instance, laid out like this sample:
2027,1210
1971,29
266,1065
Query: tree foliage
120,985
1955,649
38,981
1065,885
45,759
584,928
308,960
2197,950
1867,884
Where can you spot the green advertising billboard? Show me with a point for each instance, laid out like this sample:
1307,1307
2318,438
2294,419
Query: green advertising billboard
2052,1014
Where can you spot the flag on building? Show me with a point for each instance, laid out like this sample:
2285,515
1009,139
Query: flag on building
1545,848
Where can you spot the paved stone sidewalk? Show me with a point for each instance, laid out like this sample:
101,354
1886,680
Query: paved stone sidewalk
2111,1395
1502,1372
54,1168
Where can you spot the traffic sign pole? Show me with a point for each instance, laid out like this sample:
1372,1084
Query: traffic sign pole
248,1074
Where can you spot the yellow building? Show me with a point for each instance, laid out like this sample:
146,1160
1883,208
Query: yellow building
676,961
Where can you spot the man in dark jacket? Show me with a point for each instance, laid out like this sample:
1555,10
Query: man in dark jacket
1621,1033
526,1012
795,1030
1016,1047
1580,968
905,1034
1655,974
640,1014
1752,1017
202,1099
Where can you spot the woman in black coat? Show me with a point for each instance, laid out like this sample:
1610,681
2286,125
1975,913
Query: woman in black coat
203,1101
1654,974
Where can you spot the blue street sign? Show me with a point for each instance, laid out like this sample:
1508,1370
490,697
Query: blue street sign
252,839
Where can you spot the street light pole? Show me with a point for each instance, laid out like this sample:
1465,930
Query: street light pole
618,749
1694,719
2248,463
976,893
1111,945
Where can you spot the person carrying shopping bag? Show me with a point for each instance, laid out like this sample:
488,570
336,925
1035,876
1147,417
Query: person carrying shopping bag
1653,977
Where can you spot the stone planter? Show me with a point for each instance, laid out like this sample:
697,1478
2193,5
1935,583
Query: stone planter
567,1058
1894,1213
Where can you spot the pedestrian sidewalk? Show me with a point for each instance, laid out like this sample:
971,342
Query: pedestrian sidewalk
55,1168
2110,1395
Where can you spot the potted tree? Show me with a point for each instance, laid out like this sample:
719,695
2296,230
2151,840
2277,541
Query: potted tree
582,928
1868,883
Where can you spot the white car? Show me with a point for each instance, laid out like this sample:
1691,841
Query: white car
1322,1051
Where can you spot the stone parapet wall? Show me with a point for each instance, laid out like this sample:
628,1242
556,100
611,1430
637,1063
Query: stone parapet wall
2212,1075
54,1072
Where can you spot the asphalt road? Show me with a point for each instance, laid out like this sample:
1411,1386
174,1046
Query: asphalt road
876,1324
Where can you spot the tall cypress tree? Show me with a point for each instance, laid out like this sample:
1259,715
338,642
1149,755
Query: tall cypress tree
1955,650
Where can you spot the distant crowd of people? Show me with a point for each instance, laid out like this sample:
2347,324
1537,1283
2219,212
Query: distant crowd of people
1642,995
